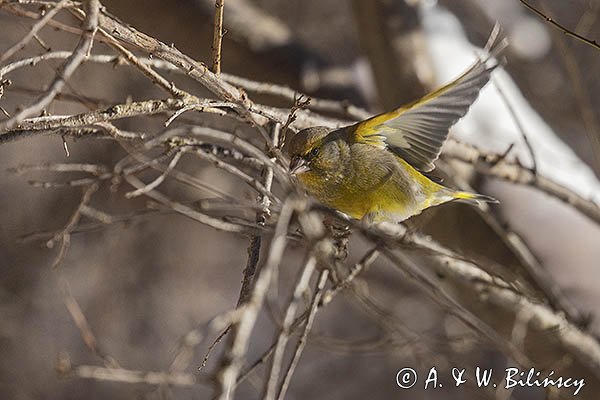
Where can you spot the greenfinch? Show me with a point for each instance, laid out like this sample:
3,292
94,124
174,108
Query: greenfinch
375,169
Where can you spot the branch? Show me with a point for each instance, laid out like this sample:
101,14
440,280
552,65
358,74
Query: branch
566,31
79,54
261,220
193,69
64,236
123,375
314,305
530,267
249,23
187,211
270,387
87,335
581,91
217,36
157,79
197,71
323,105
496,166
325,298
472,282
33,31
242,328
343,108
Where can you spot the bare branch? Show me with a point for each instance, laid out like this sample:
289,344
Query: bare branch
64,237
303,338
466,275
133,376
238,344
217,36
68,68
261,220
532,269
564,30
323,105
519,124
82,324
187,211
156,182
270,388
33,31
494,165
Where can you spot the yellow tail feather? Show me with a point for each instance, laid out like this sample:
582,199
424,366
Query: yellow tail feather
473,198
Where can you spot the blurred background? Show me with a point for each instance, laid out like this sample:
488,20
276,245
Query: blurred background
146,283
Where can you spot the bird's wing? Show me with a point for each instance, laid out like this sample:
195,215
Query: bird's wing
416,132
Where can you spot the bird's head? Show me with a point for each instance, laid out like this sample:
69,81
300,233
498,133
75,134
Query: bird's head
306,149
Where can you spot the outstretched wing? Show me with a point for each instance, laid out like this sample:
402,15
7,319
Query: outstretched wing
416,132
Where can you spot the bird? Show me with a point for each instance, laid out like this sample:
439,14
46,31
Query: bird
377,170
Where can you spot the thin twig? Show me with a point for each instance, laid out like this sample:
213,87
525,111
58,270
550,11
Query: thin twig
156,182
566,31
323,105
68,68
300,102
519,124
217,36
82,324
242,328
534,271
135,377
94,169
270,387
261,220
198,107
185,354
355,270
326,298
187,211
33,31
488,164
254,246
314,305
64,236
582,95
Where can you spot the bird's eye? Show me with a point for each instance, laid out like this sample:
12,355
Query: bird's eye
313,153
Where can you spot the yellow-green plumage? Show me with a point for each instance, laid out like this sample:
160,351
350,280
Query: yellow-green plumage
366,182
371,170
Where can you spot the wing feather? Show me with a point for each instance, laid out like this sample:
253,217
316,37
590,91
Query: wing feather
416,132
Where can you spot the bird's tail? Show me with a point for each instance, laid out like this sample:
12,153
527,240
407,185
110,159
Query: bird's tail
473,198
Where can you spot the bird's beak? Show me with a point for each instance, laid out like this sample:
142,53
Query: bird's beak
298,165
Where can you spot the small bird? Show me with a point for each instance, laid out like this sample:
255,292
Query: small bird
375,169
